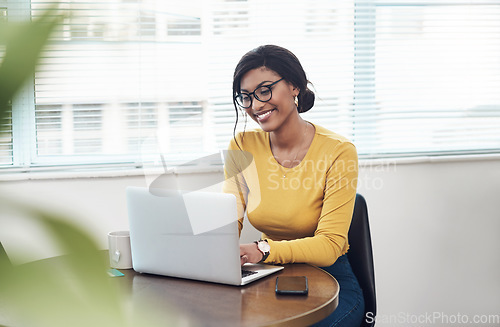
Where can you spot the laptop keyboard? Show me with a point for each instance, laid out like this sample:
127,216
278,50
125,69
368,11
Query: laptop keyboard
246,273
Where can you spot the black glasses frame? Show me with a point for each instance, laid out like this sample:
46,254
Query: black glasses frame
255,95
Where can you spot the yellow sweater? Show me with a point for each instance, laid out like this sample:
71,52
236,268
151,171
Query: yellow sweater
306,215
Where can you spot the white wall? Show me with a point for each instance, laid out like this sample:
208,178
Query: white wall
435,234
435,229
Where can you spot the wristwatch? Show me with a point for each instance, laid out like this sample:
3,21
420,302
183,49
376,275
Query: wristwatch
264,248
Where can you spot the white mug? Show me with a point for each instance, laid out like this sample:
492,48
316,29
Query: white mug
120,255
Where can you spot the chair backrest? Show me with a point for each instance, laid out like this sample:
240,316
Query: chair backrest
361,258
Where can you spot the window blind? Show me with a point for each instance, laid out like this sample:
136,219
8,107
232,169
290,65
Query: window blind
399,78
435,71
6,154
112,75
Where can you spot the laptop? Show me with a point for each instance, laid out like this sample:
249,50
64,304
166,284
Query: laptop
190,235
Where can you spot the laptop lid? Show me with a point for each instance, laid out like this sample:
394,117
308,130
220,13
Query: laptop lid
188,235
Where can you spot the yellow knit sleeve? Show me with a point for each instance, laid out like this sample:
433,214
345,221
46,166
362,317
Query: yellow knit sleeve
330,237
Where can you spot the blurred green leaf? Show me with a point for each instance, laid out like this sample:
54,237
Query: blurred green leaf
23,43
77,289
72,289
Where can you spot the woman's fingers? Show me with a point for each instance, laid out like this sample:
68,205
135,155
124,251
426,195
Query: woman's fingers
249,253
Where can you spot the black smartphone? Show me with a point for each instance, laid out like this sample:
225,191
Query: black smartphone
295,285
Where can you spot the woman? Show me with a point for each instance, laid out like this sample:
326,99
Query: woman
295,180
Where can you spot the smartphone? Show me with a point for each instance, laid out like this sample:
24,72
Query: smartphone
295,285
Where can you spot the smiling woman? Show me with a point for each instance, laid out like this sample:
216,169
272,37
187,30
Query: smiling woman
300,221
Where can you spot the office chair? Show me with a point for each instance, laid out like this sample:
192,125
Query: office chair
361,258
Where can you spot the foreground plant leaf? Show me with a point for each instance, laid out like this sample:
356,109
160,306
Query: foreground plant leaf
23,44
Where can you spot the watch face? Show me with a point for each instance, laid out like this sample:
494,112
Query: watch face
264,246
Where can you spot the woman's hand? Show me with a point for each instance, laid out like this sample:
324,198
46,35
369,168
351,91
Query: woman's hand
250,253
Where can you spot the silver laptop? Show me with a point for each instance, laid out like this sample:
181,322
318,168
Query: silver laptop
190,235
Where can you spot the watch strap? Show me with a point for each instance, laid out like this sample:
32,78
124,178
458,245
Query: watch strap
264,254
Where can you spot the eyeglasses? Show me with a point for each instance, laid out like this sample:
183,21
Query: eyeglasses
262,93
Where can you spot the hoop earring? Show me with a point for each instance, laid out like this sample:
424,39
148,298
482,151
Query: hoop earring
296,101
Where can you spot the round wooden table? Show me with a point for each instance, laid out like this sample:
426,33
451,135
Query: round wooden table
197,303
